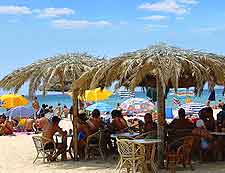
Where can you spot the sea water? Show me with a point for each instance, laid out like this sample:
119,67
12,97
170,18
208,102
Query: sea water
53,100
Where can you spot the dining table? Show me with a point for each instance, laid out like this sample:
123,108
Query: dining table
150,150
125,134
218,133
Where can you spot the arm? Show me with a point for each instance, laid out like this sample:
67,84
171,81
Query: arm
61,132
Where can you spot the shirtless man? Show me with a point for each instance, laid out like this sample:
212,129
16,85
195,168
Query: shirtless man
48,133
94,122
29,125
6,127
41,123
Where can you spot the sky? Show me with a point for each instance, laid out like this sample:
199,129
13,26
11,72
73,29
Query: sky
35,29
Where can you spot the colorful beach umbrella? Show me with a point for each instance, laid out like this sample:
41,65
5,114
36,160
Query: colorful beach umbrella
95,95
13,100
137,106
102,107
20,111
192,108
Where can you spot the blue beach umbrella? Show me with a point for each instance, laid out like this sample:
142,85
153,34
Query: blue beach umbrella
20,111
102,107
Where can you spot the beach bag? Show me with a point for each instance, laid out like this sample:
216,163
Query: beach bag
202,133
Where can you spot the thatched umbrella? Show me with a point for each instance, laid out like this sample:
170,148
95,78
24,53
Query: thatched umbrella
44,74
158,66
54,73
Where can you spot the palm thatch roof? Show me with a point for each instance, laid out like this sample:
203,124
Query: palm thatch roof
175,67
54,73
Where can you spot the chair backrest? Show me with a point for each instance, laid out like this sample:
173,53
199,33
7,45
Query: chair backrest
129,149
38,143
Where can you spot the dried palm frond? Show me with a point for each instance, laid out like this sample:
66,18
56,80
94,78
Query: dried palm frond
174,66
54,73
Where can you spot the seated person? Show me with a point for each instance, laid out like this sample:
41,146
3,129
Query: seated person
118,124
94,122
149,124
48,133
182,126
41,123
205,137
182,122
29,125
221,118
206,115
6,127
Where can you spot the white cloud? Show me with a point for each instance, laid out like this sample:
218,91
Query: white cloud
151,27
191,2
80,24
15,10
169,6
154,18
54,12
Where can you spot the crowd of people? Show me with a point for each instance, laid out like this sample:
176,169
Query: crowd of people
47,118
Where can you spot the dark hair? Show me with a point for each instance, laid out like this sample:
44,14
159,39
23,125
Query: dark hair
116,113
59,104
50,107
65,106
82,116
55,120
43,105
3,116
223,107
181,113
148,115
95,113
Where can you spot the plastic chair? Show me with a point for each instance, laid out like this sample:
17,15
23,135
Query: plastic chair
132,156
39,145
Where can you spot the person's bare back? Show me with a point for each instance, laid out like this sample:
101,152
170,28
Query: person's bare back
29,125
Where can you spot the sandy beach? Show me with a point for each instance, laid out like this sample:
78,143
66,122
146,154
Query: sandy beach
18,153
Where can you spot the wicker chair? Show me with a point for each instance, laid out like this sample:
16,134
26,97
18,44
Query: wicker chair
132,156
94,143
181,155
39,145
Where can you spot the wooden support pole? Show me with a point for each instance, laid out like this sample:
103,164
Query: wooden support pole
75,121
161,120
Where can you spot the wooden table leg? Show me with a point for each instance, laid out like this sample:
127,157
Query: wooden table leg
64,154
153,165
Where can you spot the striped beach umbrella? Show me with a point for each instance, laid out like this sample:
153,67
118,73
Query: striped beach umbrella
137,106
192,108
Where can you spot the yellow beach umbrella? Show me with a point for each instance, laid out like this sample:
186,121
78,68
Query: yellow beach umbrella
94,95
12,100
188,100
